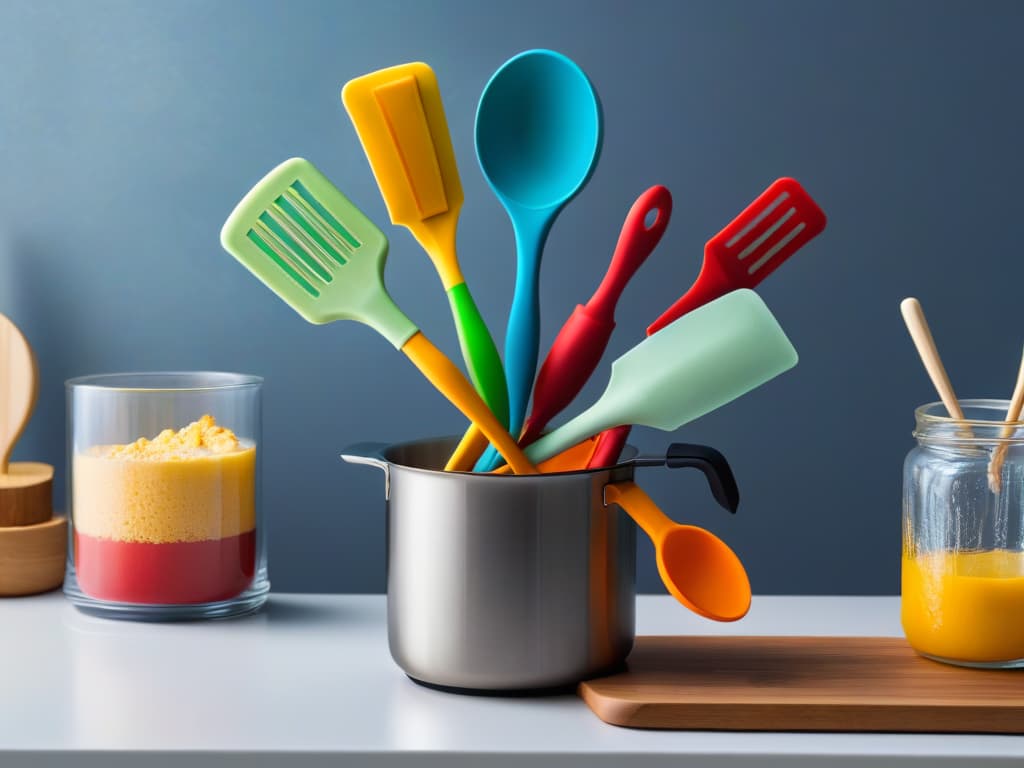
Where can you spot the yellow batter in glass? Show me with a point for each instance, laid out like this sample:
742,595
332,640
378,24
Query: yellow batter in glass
965,606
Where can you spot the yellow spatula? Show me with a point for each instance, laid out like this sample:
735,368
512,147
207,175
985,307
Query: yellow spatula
399,118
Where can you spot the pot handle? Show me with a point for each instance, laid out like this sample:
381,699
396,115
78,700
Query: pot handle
371,454
709,461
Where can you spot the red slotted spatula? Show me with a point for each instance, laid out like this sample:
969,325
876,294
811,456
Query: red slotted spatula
776,225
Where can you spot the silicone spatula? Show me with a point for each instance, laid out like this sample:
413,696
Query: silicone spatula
609,445
776,225
399,118
581,342
756,217
578,347
308,243
698,363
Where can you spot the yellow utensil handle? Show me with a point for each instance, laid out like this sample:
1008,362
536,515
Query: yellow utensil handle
470,447
641,507
450,382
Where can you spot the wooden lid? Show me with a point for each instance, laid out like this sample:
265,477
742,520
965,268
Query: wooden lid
26,494
32,557
24,473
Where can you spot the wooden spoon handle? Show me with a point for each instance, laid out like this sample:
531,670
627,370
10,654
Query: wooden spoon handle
1016,401
995,464
913,316
18,387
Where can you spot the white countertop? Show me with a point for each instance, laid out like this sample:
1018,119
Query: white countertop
309,682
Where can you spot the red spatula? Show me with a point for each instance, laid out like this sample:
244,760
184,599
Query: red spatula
776,225
609,445
578,347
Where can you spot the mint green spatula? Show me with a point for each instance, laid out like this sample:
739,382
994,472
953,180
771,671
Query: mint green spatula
311,246
698,363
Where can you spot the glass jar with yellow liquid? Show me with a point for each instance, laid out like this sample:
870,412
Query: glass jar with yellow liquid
963,537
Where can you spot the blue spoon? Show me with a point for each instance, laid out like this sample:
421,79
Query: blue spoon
538,138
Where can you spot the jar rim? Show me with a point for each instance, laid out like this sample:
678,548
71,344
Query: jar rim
165,381
935,425
935,414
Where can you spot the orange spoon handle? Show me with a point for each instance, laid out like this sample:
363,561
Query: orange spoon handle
450,382
641,507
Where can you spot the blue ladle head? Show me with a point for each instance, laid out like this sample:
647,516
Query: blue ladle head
538,139
538,130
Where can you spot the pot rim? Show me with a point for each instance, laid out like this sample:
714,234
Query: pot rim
382,453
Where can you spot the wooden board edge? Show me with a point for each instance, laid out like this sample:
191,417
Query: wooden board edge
804,717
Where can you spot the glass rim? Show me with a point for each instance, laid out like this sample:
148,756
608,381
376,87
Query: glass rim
934,425
924,413
206,381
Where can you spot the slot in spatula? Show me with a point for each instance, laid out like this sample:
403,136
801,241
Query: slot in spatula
779,222
310,245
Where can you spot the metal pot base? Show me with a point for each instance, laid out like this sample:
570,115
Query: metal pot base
516,693
507,585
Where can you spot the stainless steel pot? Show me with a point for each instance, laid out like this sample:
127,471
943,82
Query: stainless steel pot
504,582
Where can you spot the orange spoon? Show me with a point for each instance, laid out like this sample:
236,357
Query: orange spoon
698,568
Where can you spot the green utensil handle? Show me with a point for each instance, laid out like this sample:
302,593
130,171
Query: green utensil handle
479,352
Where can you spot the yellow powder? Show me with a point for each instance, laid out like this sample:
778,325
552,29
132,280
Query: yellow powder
191,485
199,438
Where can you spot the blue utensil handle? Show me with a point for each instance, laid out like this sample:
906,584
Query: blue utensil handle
489,460
522,335
521,351
521,347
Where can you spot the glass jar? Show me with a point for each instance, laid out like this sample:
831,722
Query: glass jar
163,495
963,542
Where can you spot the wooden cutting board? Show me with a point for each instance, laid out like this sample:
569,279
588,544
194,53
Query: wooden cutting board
803,684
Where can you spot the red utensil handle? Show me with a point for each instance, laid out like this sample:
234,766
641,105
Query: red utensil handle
636,242
707,288
609,445
573,356
581,342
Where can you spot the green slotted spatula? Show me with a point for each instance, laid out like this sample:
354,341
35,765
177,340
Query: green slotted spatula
311,246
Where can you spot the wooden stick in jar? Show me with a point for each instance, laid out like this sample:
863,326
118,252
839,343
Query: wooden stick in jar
995,464
913,316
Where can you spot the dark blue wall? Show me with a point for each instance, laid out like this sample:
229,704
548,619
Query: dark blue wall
128,130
